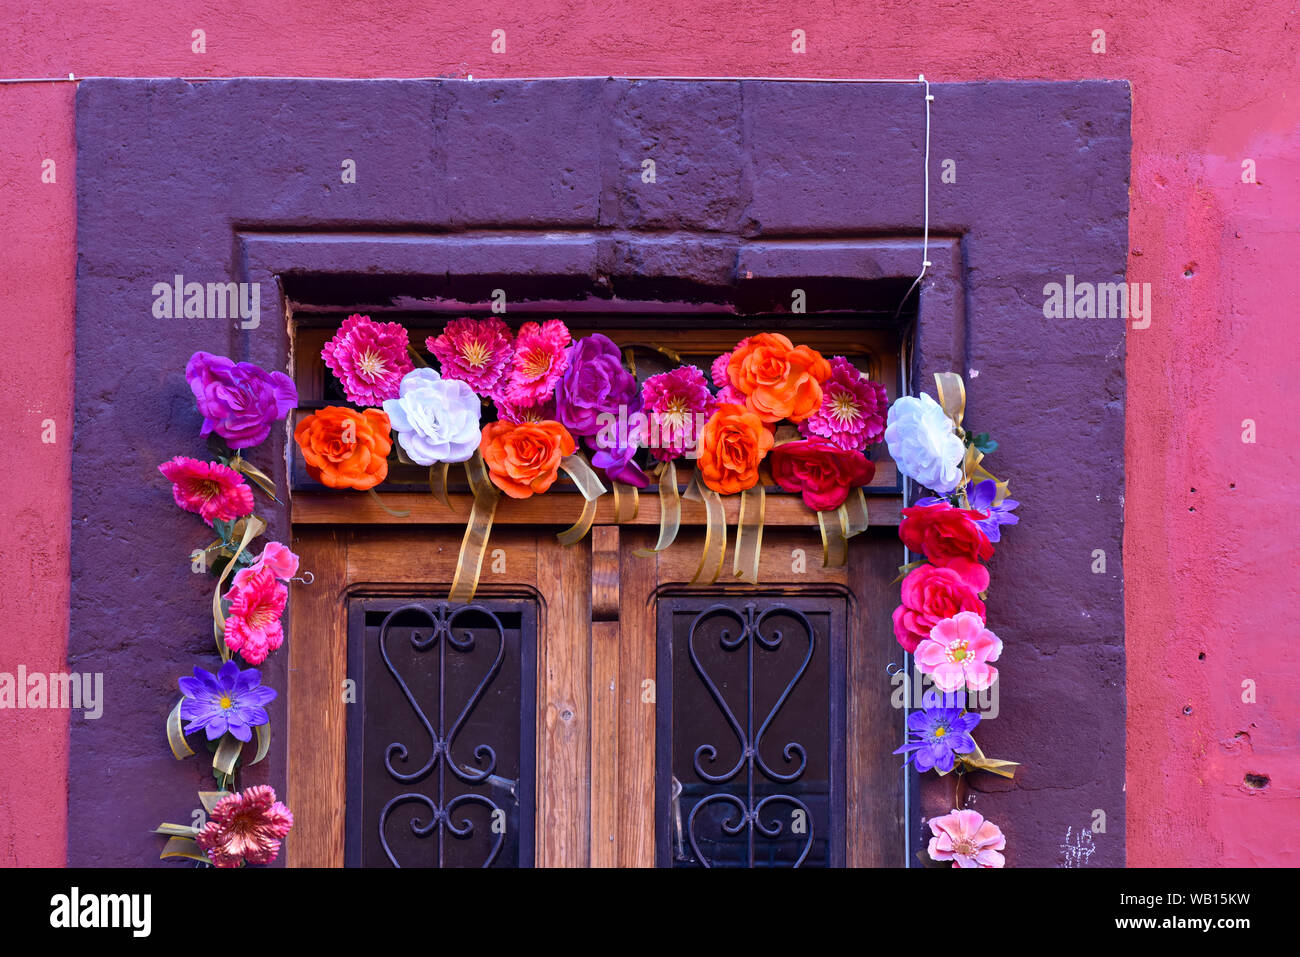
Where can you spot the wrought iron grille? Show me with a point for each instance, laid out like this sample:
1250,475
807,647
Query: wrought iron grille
751,734
440,763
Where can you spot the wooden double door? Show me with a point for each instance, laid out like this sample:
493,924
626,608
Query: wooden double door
592,708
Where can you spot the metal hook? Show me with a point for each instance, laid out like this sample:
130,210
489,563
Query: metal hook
306,581
895,666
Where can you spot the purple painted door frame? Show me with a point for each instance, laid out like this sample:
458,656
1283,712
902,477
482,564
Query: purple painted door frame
240,181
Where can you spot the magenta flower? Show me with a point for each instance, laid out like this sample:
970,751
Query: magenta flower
957,652
247,826
253,626
852,413
728,394
595,382
541,357
476,351
369,359
966,839
614,458
543,411
676,404
282,563
238,400
214,491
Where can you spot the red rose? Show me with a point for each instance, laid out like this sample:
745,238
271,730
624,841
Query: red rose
821,471
942,533
931,594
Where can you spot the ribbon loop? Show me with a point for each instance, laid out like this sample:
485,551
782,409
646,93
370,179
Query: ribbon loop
670,509
749,534
473,546
715,532
253,526
176,734
589,484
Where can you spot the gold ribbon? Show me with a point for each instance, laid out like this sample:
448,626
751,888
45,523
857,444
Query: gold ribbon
835,547
627,502
473,546
260,478
952,397
391,511
629,359
670,508
853,514
589,484
180,837
253,526
438,482
227,754
749,535
715,532
176,734
976,761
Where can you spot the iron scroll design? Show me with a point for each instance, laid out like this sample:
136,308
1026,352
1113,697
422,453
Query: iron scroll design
442,739
749,811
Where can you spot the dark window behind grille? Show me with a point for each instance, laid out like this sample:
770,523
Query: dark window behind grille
751,732
440,739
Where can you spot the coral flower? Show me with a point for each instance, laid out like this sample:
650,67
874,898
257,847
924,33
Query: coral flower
215,491
957,652
779,380
344,448
674,403
524,458
369,359
732,445
966,839
541,357
246,827
475,351
852,413
253,625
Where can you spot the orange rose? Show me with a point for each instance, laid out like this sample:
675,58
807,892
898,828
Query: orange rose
345,448
523,458
780,380
731,445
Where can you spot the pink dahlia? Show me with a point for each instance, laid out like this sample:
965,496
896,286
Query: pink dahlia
540,360
966,839
247,826
852,413
476,351
253,625
543,411
957,652
215,491
369,358
677,404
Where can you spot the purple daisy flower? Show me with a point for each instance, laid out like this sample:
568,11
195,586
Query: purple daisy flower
981,495
231,700
940,734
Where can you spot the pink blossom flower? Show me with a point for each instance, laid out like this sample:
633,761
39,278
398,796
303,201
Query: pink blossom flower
247,826
476,351
253,625
369,358
957,651
966,839
677,404
851,415
282,563
543,411
540,361
215,491
718,371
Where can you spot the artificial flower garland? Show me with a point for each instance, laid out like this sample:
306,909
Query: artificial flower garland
240,403
557,400
941,619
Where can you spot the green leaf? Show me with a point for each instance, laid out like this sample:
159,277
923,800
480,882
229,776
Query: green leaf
223,529
982,442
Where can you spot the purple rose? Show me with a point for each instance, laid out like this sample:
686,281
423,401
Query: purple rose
595,382
238,400
616,462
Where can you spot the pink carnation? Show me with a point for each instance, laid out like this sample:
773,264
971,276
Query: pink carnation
253,623
966,839
246,827
476,351
369,358
281,562
543,411
718,371
852,413
957,653
677,403
215,491
540,360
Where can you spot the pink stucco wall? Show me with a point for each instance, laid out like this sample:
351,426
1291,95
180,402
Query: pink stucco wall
1208,534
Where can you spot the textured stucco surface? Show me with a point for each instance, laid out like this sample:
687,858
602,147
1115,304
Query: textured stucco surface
1212,85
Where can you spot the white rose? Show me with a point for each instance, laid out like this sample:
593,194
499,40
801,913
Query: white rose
436,419
923,445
